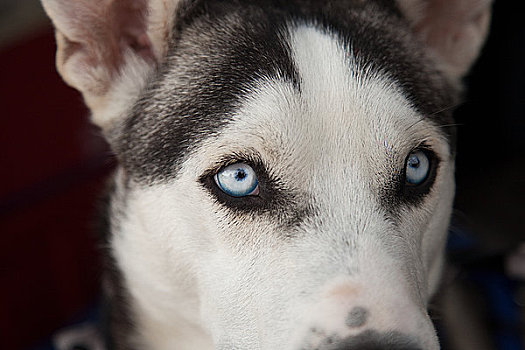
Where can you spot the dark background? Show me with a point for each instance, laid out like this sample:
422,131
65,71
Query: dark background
53,168
491,145
489,216
54,165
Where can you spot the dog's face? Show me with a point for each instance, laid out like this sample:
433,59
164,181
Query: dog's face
286,179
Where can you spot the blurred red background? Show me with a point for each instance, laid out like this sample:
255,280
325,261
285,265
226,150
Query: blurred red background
53,170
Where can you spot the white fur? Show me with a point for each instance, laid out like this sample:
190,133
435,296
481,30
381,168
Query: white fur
202,278
112,107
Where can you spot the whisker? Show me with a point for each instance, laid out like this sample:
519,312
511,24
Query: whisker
437,112
450,125
414,124
446,109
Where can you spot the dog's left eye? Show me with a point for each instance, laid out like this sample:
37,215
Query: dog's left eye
417,167
237,180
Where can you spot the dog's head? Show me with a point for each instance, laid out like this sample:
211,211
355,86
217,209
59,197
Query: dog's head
286,167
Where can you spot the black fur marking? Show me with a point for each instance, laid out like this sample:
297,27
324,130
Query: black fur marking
275,198
220,48
118,324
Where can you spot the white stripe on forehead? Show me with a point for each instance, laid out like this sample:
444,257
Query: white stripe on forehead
340,91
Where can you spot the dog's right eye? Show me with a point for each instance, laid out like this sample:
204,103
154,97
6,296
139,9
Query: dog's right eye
237,180
417,168
419,175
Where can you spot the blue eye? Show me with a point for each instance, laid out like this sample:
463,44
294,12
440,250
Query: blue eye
417,168
237,180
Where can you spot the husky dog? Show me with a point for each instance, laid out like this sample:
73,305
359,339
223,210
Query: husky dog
285,174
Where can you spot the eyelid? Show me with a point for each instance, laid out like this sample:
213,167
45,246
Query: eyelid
252,159
256,191
429,151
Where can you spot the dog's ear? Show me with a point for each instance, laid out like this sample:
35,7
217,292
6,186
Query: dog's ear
453,30
107,48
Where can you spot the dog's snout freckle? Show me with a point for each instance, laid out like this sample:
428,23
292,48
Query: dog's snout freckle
357,317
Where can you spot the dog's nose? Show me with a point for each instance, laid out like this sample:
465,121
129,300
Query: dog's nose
353,316
374,340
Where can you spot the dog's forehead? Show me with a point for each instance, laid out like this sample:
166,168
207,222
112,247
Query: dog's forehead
339,119
220,56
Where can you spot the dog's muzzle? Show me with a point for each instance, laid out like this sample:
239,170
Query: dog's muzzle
352,317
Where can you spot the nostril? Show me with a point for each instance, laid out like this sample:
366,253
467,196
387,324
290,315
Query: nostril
374,340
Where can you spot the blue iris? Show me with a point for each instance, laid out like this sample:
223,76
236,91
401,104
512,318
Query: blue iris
237,180
417,168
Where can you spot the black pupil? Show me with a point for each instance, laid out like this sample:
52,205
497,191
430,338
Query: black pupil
240,175
413,162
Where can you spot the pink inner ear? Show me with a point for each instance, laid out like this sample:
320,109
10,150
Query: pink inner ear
102,31
130,18
144,48
454,30
130,23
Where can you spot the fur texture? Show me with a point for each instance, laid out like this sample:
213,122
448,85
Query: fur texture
325,101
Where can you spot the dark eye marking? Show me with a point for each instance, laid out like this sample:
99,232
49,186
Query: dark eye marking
411,180
252,188
288,206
